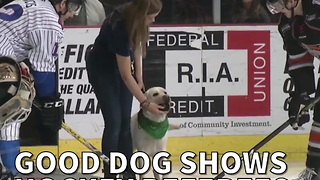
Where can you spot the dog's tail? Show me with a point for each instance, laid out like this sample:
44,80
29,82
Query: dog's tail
174,126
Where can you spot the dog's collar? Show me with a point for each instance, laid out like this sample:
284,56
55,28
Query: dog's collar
155,129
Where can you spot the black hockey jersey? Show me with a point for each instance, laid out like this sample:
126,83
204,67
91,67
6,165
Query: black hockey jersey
301,35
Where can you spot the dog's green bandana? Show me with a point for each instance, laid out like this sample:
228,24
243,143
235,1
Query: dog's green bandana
155,129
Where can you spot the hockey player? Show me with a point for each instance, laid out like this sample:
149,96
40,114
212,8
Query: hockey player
300,29
33,29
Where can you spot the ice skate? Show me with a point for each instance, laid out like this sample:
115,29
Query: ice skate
309,174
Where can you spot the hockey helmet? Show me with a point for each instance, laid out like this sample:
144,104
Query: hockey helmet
75,5
16,92
276,6
72,5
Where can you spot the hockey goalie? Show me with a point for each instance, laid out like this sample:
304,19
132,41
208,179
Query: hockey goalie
16,95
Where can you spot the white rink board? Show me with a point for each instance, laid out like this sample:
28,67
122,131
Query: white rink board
243,72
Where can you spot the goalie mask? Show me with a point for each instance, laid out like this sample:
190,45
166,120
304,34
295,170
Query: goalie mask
16,92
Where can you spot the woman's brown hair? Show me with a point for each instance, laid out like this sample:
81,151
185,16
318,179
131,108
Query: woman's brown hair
254,11
135,16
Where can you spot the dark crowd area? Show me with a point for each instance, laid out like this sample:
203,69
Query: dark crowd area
185,12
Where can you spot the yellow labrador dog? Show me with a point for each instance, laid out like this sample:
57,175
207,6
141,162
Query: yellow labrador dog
149,131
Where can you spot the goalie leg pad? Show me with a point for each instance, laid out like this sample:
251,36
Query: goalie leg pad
52,113
9,151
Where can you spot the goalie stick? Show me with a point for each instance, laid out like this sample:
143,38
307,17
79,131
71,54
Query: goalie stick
272,135
84,142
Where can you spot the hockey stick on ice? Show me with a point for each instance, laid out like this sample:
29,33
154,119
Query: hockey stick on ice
88,145
272,135
84,142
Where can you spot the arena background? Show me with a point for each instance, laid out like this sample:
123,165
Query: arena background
227,84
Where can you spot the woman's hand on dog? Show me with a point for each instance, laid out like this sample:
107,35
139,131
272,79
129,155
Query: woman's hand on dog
155,109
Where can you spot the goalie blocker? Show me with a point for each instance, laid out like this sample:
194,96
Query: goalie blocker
51,113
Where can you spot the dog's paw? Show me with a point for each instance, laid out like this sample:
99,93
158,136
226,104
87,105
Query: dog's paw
174,126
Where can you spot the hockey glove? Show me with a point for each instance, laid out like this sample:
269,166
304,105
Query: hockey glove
296,103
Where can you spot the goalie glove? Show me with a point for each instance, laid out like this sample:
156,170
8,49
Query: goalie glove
296,103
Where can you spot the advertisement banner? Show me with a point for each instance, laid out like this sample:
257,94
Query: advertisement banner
82,111
223,80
